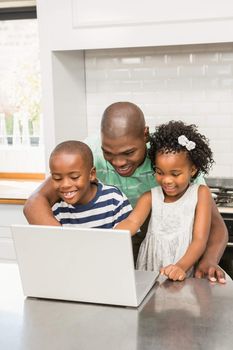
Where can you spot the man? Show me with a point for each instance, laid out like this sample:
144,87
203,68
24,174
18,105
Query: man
121,160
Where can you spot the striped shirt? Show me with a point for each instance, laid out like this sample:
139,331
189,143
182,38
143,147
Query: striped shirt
142,180
105,210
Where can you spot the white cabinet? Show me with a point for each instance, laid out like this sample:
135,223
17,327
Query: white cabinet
9,214
79,24
68,28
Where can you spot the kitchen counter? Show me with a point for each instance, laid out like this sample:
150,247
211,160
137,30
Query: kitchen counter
193,314
225,210
16,191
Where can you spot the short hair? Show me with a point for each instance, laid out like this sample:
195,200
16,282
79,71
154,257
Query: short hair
121,118
74,147
165,140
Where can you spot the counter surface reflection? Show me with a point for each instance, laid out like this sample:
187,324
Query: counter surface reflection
193,314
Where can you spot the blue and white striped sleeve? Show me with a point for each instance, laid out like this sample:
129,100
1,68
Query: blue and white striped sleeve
122,209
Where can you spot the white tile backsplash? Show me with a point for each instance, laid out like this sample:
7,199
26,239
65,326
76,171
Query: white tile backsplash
193,83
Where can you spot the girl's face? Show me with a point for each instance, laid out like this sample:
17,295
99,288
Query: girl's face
72,178
173,172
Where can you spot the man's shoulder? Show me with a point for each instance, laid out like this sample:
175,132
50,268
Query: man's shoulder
93,140
94,143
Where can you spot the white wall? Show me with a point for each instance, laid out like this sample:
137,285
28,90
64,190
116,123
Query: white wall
191,83
125,59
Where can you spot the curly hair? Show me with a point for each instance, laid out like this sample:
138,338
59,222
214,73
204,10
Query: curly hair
165,140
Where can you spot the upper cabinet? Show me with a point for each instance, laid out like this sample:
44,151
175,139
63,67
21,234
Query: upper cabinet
88,24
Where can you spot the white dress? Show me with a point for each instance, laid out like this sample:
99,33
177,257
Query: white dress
170,230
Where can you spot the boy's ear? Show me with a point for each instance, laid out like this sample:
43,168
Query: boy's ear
146,133
93,175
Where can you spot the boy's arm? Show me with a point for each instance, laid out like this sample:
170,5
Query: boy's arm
208,265
201,229
139,214
37,208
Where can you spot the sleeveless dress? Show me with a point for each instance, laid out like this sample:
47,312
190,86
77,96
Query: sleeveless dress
170,230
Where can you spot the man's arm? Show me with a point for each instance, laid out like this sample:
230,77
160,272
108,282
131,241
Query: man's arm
37,208
208,265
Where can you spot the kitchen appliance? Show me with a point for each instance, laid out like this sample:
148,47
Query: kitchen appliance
222,192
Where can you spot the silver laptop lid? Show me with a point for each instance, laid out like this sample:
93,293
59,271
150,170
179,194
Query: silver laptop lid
89,265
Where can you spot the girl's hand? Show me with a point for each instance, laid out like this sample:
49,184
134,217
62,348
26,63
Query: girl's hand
173,272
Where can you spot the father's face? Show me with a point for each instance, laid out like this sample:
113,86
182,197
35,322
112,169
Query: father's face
125,153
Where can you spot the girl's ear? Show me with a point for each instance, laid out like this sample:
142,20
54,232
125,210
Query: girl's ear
193,170
146,133
93,175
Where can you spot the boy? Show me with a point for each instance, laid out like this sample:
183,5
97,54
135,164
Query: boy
121,160
83,200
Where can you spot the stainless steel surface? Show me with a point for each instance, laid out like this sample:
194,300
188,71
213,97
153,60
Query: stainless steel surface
220,182
225,210
193,314
222,191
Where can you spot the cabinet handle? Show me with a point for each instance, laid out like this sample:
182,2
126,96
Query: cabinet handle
229,244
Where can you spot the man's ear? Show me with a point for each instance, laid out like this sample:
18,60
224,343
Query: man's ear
93,177
146,133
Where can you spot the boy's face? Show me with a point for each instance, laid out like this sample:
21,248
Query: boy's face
125,153
72,178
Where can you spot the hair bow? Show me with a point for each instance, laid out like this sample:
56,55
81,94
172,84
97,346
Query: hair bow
184,141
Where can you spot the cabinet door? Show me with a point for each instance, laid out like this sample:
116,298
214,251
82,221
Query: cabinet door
10,214
79,24
89,13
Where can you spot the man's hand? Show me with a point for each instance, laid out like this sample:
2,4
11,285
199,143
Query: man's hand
173,272
210,270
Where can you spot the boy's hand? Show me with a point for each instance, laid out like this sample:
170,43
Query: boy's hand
173,272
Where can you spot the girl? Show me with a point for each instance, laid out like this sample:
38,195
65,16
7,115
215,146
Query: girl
181,210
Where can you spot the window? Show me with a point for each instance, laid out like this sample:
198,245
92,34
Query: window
21,134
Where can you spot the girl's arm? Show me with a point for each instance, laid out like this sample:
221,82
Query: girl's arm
137,217
201,230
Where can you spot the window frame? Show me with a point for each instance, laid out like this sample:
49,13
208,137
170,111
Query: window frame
17,13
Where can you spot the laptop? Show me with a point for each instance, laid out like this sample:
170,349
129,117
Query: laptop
79,264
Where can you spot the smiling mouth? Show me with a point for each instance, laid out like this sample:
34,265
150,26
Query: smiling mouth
168,189
69,195
124,170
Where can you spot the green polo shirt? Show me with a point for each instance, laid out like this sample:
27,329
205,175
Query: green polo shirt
133,186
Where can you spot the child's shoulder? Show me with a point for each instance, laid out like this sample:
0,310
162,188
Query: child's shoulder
114,194
203,188
197,188
110,189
